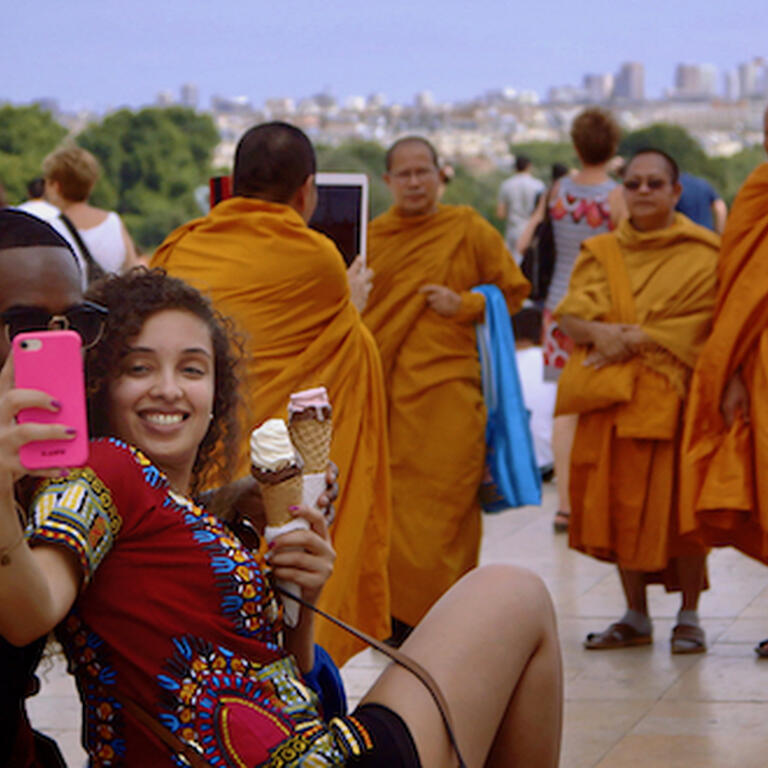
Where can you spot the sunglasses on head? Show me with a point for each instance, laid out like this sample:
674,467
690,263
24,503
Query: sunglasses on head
654,184
87,319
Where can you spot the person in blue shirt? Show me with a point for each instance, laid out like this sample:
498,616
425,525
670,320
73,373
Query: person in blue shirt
701,203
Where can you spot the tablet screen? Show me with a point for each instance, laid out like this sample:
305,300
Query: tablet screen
341,215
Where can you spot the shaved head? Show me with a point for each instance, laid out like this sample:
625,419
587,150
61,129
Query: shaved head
406,140
272,161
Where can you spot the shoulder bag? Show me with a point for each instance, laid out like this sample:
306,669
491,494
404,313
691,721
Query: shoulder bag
582,387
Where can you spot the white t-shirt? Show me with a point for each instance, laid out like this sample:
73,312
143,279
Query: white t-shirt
519,194
539,398
40,208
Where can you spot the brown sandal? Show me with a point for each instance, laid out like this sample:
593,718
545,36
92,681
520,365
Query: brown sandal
618,635
688,638
562,521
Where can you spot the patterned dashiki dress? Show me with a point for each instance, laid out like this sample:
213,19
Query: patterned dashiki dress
176,614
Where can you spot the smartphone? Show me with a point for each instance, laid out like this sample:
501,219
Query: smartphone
52,362
219,188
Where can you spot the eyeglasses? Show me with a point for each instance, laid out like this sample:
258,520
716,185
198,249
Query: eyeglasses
419,174
86,318
653,184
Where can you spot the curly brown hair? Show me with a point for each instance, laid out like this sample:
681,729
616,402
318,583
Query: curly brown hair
595,134
131,299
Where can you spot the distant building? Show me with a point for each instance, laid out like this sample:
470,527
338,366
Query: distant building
695,81
231,104
630,82
164,99
598,88
731,85
753,79
424,100
189,95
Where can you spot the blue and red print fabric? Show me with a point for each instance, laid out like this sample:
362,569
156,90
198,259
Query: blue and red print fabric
177,615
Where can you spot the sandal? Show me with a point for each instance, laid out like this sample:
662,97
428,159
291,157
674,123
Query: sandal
618,635
561,521
688,638
761,649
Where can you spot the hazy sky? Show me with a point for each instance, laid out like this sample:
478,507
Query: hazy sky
108,53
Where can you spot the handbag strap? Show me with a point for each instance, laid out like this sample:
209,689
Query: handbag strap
93,269
399,658
612,259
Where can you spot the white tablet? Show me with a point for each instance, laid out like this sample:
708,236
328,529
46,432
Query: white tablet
342,211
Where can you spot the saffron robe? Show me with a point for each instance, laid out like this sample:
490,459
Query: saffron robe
286,289
724,486
623,484
434,394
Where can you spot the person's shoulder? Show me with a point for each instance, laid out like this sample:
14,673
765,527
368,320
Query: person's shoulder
119,464
698,233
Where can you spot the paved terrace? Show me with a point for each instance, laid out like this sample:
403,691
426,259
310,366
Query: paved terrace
624,708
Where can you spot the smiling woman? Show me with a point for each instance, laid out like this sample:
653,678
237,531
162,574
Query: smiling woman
164,376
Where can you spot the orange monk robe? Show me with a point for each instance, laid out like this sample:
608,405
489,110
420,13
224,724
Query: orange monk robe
724,482
624,460
285,287
432,374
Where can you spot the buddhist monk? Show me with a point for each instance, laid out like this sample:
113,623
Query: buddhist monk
285,287
724,487
426,257
640,306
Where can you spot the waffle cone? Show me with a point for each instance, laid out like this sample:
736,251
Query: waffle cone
280,497
312,439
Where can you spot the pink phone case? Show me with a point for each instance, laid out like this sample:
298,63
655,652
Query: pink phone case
52,362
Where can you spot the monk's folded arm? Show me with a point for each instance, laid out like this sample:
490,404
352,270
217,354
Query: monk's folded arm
472,307
581,331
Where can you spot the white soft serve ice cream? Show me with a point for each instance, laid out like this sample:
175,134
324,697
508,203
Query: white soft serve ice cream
271,447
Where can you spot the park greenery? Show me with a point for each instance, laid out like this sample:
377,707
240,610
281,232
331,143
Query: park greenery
154,159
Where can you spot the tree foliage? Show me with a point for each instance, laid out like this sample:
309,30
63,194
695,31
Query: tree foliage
153,160
27,135
358,157
544,153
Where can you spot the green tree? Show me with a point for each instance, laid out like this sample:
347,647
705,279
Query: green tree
27,135
153,160
734,170
358,157
544,153
675,141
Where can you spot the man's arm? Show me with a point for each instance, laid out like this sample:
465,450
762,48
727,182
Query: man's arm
719,215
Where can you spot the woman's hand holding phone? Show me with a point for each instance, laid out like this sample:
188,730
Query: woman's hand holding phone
14,435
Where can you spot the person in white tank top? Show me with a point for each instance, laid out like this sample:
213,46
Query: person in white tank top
70,175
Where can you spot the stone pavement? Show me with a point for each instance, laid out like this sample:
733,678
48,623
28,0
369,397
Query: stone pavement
624,708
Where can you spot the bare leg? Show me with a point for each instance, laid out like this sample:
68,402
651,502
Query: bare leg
691,572
491,644
563,432
687,635
633,583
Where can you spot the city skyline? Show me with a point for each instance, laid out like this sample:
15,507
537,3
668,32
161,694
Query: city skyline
95,57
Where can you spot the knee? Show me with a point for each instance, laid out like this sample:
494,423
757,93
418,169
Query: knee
514,590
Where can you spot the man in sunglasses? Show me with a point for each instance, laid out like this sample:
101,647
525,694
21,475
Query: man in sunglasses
639,305
40,287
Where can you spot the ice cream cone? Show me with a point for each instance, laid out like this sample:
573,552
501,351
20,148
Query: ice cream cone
280,496
312,439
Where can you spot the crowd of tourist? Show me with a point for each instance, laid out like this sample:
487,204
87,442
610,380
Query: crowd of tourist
149,563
